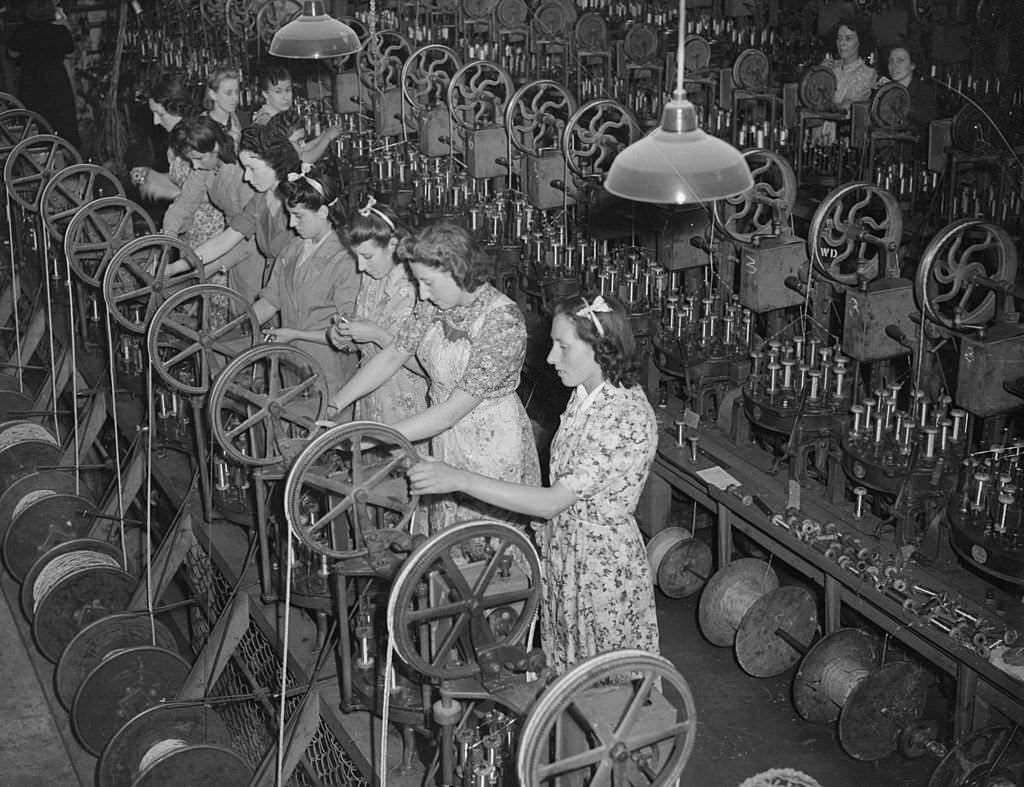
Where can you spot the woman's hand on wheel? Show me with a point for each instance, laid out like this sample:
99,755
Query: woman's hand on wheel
431,477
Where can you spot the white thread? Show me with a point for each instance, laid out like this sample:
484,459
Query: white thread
63,566
158,751
32,497
25,432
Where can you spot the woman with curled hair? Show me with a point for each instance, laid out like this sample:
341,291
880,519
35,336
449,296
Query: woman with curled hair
598,594
471,341
855,79
266,158
387,295
292,125
314,278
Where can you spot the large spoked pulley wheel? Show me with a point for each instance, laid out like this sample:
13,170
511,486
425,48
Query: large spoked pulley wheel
69,190
478,94
595,134
98,231
381,59
758,212
483,581
17,125
638,738
188,347
7,101
32,163
265,404
537,115
950,282
855,234
274,15
890,106
348,481
137,280
427,74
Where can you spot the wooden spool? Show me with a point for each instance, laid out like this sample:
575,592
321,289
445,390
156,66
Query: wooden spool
58,481
99,639
25,446
776,631
73,590
201,763
831,670
993,757
41,520
121,687
889,700
26,594
729,594
192,723
680,563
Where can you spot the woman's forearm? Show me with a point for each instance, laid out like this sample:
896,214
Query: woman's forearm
539,502
370,377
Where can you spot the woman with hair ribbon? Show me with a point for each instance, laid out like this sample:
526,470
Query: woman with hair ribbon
598,594
314,278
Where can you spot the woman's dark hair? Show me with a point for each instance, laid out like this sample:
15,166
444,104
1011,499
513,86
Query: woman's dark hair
203,134
267,144
40,11
913,52
312,190
449,248
862,27
372,224
272,75
287,122
171,92
615,351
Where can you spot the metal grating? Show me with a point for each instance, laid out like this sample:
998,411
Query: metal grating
255,668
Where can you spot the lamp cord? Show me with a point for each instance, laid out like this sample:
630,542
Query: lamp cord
681,51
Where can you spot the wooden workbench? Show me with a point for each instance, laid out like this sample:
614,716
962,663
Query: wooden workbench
978,682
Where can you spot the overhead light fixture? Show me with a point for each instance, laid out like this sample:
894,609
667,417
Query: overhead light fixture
678,163
314,35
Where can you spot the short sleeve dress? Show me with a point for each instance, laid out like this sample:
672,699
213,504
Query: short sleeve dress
598,592
207,221
387,302
478,348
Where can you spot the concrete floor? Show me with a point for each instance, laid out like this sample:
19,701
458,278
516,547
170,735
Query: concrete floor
745,725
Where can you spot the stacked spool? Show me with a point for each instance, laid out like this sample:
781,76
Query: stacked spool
729,594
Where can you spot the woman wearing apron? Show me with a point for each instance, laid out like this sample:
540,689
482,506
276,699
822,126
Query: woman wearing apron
598,594
471,341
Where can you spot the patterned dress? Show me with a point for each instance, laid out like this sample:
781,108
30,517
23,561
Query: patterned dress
479,349
207,221
387,302
598,592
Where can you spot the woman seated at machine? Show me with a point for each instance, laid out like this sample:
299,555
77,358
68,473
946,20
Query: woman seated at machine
855,79
471,341
598,592
902,67
276,88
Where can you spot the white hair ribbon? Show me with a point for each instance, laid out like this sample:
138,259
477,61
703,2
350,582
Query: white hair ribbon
303,174
369,208
591,310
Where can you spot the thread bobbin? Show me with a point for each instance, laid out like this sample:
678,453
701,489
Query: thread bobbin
729,594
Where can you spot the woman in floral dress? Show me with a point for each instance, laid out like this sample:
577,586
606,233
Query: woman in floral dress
471,341
386,297
598,594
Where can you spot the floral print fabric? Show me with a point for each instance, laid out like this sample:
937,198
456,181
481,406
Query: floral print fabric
598,591
388,302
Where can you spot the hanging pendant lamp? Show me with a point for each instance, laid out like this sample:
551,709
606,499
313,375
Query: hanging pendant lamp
678,163
314,35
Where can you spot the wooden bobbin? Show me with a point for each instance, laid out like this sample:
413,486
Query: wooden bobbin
121,687
992,757
58,481
198,764
776,631
24,446
99,639
193,723
831,670
680,563
729,594
67,598
887,701
42,520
